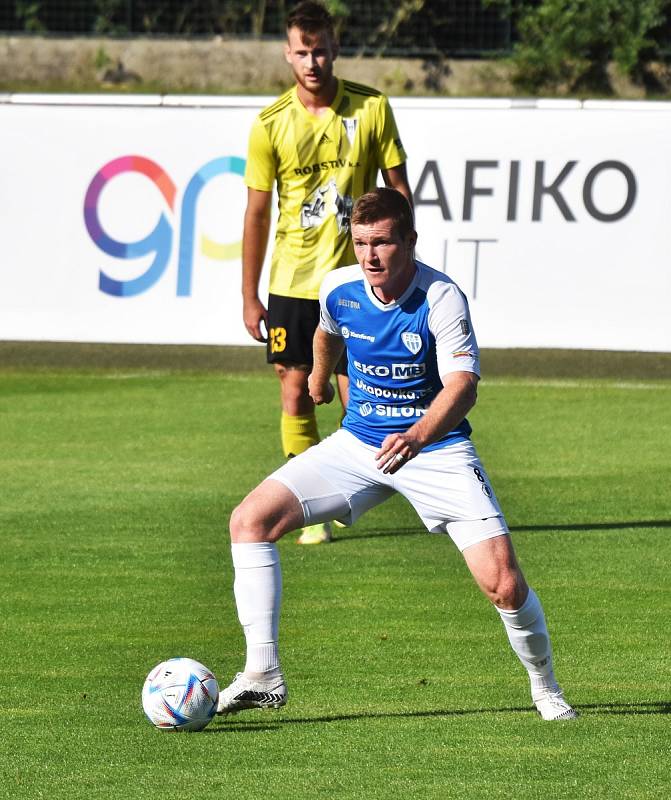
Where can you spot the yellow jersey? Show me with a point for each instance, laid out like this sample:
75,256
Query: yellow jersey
321,165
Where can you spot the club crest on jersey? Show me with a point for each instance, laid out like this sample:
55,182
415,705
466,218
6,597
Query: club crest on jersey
413,341
350,124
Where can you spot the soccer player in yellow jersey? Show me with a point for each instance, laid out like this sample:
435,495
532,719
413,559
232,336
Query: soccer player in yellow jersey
322,143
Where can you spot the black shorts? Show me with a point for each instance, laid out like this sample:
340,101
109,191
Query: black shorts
292,322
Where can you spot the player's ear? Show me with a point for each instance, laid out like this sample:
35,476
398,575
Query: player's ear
287,52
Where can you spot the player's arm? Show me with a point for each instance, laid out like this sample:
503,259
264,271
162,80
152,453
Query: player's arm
391,153
326,350
448,409
397,178
255,234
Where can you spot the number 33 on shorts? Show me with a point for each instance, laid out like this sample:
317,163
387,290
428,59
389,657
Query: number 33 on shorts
278,340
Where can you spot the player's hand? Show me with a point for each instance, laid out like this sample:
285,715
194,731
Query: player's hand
253,314
320,392
397,449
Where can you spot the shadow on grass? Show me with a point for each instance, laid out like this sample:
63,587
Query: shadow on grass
343,536
585,526
248,725
597,526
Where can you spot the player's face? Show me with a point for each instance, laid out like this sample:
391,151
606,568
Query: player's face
311,56
386,257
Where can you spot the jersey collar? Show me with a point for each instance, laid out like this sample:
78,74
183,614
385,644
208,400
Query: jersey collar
394,303
330,111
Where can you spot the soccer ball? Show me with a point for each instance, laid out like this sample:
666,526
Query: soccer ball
180,694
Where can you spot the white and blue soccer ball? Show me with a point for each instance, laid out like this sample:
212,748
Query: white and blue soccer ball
180,694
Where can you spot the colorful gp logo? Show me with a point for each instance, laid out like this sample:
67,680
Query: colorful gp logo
159,242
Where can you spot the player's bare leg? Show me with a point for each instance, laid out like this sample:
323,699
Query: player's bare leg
262,518
299,425
299,431
494,566
266,514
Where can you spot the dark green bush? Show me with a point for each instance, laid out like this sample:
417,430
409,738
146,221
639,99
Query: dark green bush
570,43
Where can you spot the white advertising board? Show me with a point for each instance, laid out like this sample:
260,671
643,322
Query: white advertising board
122,223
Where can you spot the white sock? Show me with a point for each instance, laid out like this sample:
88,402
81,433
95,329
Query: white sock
258,593
529,638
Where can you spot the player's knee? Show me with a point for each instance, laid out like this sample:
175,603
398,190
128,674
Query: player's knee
236,524
508,591
247,524
296,400
293,378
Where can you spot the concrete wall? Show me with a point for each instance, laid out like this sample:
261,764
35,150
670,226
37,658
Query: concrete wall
226,66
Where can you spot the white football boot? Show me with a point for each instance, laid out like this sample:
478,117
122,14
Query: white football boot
245,693
552,706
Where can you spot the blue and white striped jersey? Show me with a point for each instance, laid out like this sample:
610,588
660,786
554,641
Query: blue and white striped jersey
398,352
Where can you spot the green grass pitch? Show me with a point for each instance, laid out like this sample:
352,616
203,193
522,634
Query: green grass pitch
116,489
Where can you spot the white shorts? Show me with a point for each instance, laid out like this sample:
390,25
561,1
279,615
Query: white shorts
448,488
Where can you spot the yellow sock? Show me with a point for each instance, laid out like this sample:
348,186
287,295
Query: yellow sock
298,433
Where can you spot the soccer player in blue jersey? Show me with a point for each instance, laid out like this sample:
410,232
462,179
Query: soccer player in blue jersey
413,370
